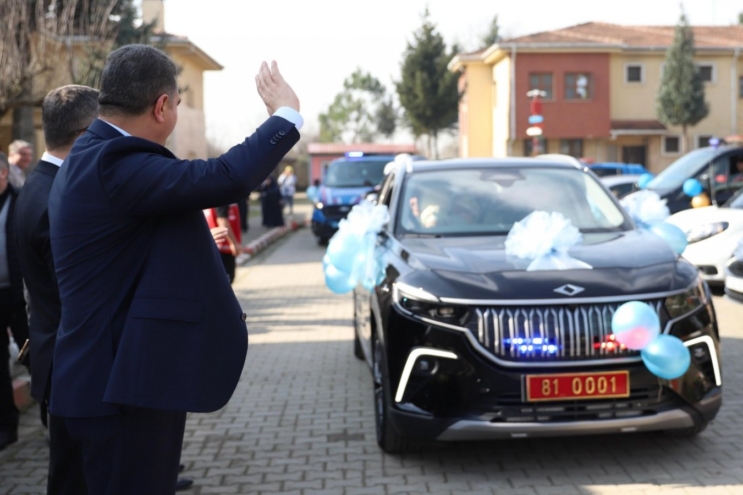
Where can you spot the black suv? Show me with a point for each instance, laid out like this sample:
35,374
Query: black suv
464,343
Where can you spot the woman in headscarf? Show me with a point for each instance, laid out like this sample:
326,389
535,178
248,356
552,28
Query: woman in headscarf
271,203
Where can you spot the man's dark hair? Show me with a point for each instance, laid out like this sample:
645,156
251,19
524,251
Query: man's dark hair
134,77
66,112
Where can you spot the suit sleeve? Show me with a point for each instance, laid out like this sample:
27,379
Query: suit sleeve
139,179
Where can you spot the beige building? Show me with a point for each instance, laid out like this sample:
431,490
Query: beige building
189,138
601,82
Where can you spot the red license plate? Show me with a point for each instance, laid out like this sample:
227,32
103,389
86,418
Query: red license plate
569,386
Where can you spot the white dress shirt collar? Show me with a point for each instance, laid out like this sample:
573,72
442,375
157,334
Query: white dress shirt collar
118,129
51,159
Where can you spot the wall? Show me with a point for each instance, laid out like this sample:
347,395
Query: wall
476,110
502,106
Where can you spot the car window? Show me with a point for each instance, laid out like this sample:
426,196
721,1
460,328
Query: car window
728,172
355,173
604,172
736,201
621,190
684,168
490,201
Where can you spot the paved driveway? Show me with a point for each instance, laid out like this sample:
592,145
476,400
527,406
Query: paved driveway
301,419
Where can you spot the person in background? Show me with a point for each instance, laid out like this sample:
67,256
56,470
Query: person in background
288,186
230,246
271,203
20,155
12,304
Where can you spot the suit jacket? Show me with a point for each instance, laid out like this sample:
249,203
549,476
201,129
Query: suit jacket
148,315
14,270
35,257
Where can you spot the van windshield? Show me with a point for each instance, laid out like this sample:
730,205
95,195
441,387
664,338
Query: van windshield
686,167
355,173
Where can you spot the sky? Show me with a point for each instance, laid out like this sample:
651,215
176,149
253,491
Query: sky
318,43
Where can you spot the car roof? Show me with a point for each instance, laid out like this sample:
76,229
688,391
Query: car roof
455,163
614,180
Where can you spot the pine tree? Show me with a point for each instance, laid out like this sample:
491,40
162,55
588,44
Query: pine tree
427,90
681,94
493,35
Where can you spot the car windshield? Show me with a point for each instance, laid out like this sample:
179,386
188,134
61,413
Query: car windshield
736,201
489,201
355,173
684,168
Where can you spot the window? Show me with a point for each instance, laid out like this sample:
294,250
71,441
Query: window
703,141
529,149
707,71
541,81
578,86
634,73
671,145
572,147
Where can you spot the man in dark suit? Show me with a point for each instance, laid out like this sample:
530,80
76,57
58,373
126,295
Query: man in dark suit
12,305
149,330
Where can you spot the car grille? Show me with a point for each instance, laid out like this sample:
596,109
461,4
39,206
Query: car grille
550,333
336,211
643,401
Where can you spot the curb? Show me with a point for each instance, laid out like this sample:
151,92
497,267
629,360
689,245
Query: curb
258,245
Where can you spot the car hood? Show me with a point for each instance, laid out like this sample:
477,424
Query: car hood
697,217
625,263
342,195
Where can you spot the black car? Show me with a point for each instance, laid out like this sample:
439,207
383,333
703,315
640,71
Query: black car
719,170
464,343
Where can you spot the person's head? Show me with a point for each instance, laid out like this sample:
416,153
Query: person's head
20,153
288,170
139,89
65,114
4,172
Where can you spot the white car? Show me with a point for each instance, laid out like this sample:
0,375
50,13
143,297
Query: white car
734,278
713,233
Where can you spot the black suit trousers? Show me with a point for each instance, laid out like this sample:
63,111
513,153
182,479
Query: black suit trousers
135,452
13,316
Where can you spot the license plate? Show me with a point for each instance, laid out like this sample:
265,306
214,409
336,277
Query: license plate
572,386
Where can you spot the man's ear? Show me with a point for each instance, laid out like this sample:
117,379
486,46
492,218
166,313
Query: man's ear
159,110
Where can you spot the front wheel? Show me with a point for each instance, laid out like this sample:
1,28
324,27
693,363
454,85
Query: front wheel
388,439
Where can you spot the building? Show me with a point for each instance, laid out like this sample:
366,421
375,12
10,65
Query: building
321,154
600,82
189,137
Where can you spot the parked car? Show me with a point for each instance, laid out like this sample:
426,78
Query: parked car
345,183
464,343
620,185
608,169
713,233
725,164
734,275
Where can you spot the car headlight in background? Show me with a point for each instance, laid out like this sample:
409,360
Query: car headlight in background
702,232
423,304
319,205
689,300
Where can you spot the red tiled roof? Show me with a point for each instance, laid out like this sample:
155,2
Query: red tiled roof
602,33
338,148
637,125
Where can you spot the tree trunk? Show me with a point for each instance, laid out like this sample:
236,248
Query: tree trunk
686,139
23,125
435,145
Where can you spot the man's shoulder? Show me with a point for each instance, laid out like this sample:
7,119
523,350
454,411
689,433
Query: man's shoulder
117,149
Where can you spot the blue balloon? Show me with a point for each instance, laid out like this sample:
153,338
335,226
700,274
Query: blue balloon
673,235
635,324
338,281
343,250
692,187
666,357
644,179
312,193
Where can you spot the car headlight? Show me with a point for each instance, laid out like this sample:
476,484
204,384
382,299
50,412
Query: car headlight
423,304
702,232
689,300
319,205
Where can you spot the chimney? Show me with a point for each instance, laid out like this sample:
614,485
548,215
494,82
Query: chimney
154,10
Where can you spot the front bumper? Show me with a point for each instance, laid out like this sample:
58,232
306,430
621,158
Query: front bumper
442,388
711,256
734,282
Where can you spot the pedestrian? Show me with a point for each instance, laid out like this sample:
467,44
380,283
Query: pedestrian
288,186
271,213
12,304
20,155
230,246
150,330
243,205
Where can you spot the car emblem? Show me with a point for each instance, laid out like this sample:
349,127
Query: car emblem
569,290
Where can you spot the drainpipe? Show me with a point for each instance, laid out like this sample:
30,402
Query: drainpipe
734,94
512,136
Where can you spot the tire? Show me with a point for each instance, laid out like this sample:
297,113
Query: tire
388,439
322,241
358,351
688,432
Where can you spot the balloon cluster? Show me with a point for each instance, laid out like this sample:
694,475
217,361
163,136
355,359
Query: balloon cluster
351,256
693,188
644,180
650,212
637,327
